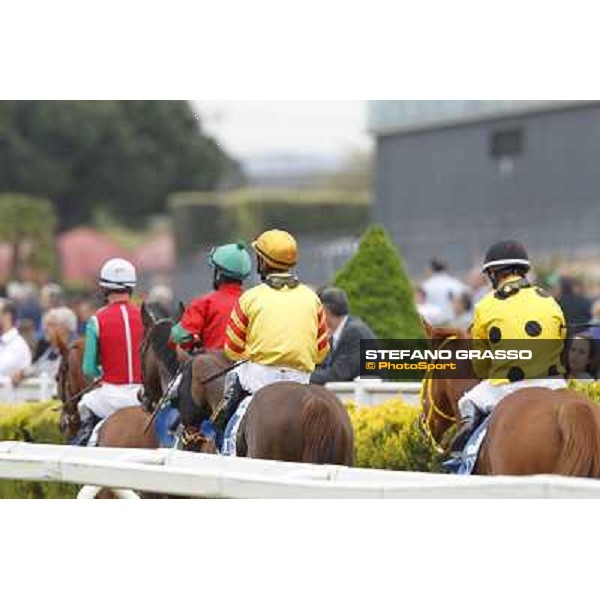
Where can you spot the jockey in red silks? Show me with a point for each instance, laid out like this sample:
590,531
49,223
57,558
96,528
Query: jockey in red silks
205,319
112,349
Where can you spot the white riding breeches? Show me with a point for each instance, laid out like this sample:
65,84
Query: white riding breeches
485,396
254,376
106,399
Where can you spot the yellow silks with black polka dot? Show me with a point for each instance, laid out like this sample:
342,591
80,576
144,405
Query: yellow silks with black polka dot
517,312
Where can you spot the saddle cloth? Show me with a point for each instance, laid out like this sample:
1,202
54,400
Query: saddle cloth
165,425
93,441
229,438
465,463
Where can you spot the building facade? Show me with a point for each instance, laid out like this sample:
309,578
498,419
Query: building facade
451,177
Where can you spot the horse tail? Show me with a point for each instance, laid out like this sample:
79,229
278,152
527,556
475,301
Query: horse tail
325,437
579,455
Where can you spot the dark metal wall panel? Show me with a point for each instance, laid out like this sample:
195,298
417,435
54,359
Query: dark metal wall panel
440,193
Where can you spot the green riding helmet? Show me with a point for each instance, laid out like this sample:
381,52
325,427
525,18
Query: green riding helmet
232,259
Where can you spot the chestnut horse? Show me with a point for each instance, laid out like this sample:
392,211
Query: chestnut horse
126,428
285,421
532,431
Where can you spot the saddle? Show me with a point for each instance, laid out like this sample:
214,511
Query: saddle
226,444
467,459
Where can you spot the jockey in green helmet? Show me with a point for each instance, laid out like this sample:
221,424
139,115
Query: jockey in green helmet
205,319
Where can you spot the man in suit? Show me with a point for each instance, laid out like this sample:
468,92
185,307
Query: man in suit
346,331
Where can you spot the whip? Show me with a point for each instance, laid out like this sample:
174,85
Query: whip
164,397
86,389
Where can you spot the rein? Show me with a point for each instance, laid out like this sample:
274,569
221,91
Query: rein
165,395
85,390
425,394
224,371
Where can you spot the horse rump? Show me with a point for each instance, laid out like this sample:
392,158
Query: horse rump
579,455
326,429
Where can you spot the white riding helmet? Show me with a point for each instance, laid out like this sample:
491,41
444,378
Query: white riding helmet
117,274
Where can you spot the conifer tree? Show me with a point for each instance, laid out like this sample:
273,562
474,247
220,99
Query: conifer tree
379,289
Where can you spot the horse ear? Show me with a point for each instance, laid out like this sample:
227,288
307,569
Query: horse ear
180,311
63,347
148,319
429,330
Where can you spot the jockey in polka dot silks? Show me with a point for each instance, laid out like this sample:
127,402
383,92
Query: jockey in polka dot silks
514,310
112,349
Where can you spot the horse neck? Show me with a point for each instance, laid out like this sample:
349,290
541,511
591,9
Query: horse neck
448,391
213,362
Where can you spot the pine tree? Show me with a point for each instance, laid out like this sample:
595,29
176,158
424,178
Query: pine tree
379,289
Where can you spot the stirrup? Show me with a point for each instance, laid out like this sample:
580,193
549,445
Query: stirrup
192,439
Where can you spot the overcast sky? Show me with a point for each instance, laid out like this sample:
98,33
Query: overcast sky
247,128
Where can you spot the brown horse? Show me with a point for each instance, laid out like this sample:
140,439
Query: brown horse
285,421
126,428
532,431
71,382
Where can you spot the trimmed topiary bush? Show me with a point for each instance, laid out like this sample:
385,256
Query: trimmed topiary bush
379,289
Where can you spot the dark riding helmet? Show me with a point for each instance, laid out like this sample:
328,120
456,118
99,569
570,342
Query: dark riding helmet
507,253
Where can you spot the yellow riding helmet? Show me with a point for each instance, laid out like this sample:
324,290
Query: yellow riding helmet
278,248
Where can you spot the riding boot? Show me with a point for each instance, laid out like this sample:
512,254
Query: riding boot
85,430
233,394
471,417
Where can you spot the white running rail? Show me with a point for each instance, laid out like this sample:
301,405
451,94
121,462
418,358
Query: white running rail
365,392
200,475
370,392
32,389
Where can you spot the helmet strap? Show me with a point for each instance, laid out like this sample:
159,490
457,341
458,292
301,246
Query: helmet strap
261,267
216,278
108,293
493,277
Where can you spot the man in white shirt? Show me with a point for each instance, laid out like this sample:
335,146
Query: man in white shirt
60,330
440,288
428,311
14,351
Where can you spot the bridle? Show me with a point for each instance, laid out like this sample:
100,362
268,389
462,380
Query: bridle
425,394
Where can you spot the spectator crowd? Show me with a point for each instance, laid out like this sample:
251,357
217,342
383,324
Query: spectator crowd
444,300
37,324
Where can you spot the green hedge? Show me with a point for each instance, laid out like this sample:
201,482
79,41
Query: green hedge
387,436
38,423
207,218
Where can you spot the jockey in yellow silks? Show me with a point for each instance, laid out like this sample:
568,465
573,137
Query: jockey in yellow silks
514,310
279,326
